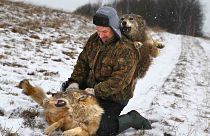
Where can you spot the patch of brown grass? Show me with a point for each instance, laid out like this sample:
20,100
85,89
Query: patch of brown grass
2,112
13,65
31,24
3,24
34,36
19,30
54,22
7,132
1,56
47,73
71,54
29,117
62,39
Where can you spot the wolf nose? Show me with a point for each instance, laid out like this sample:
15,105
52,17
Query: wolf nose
124,23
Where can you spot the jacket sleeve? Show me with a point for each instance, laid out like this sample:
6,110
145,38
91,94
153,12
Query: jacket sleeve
123,72
81,69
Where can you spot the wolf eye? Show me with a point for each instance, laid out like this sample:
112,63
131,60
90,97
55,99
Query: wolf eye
122,18
130,18
83,97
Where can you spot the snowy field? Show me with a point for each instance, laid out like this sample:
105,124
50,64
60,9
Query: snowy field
42,45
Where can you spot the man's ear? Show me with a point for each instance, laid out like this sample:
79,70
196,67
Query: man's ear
90,91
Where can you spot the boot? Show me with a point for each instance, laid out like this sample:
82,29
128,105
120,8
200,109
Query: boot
133,119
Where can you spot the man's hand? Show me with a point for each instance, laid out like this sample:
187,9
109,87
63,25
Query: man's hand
73,86
66,86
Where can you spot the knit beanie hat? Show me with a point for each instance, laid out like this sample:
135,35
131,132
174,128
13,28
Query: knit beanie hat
107,16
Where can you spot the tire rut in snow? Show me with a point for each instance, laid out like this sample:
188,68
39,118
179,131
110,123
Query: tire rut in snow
183,99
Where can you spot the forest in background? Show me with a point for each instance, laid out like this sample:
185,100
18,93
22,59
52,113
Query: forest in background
175,16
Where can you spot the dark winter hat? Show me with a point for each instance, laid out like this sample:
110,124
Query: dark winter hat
107,16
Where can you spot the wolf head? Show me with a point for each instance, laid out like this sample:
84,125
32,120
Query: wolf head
133,27
69,97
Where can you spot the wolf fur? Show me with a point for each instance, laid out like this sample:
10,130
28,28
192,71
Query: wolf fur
134,28
75,111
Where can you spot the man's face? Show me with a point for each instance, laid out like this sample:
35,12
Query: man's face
104,33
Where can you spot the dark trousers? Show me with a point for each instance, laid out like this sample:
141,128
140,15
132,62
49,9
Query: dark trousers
109,122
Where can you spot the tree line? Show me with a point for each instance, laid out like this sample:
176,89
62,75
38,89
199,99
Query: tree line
176,16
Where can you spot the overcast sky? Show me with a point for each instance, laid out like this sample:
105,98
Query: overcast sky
206,10
70,5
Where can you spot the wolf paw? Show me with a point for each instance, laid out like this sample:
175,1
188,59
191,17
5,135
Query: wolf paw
160,46
47,131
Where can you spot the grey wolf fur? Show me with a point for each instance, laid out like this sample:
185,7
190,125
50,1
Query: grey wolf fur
134,28
75,111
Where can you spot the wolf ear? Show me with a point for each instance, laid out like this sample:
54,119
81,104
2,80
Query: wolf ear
141,20
139,17
90,91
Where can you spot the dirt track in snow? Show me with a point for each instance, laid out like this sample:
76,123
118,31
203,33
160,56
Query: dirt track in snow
187,93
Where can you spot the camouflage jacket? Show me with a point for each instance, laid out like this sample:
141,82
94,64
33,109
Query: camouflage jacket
108,68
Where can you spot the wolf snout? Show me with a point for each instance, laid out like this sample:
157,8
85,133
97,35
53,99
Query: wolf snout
124,23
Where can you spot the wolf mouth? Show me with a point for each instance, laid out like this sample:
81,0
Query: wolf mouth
60,103
125,30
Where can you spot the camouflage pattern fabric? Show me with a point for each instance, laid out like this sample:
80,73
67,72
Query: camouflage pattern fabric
108,68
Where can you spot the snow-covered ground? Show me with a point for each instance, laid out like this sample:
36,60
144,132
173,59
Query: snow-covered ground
175,94
42,45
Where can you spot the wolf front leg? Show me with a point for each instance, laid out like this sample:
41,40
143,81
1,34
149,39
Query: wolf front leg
49,130
36,93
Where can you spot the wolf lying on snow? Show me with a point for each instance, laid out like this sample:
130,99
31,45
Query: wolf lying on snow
134,28
76,112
